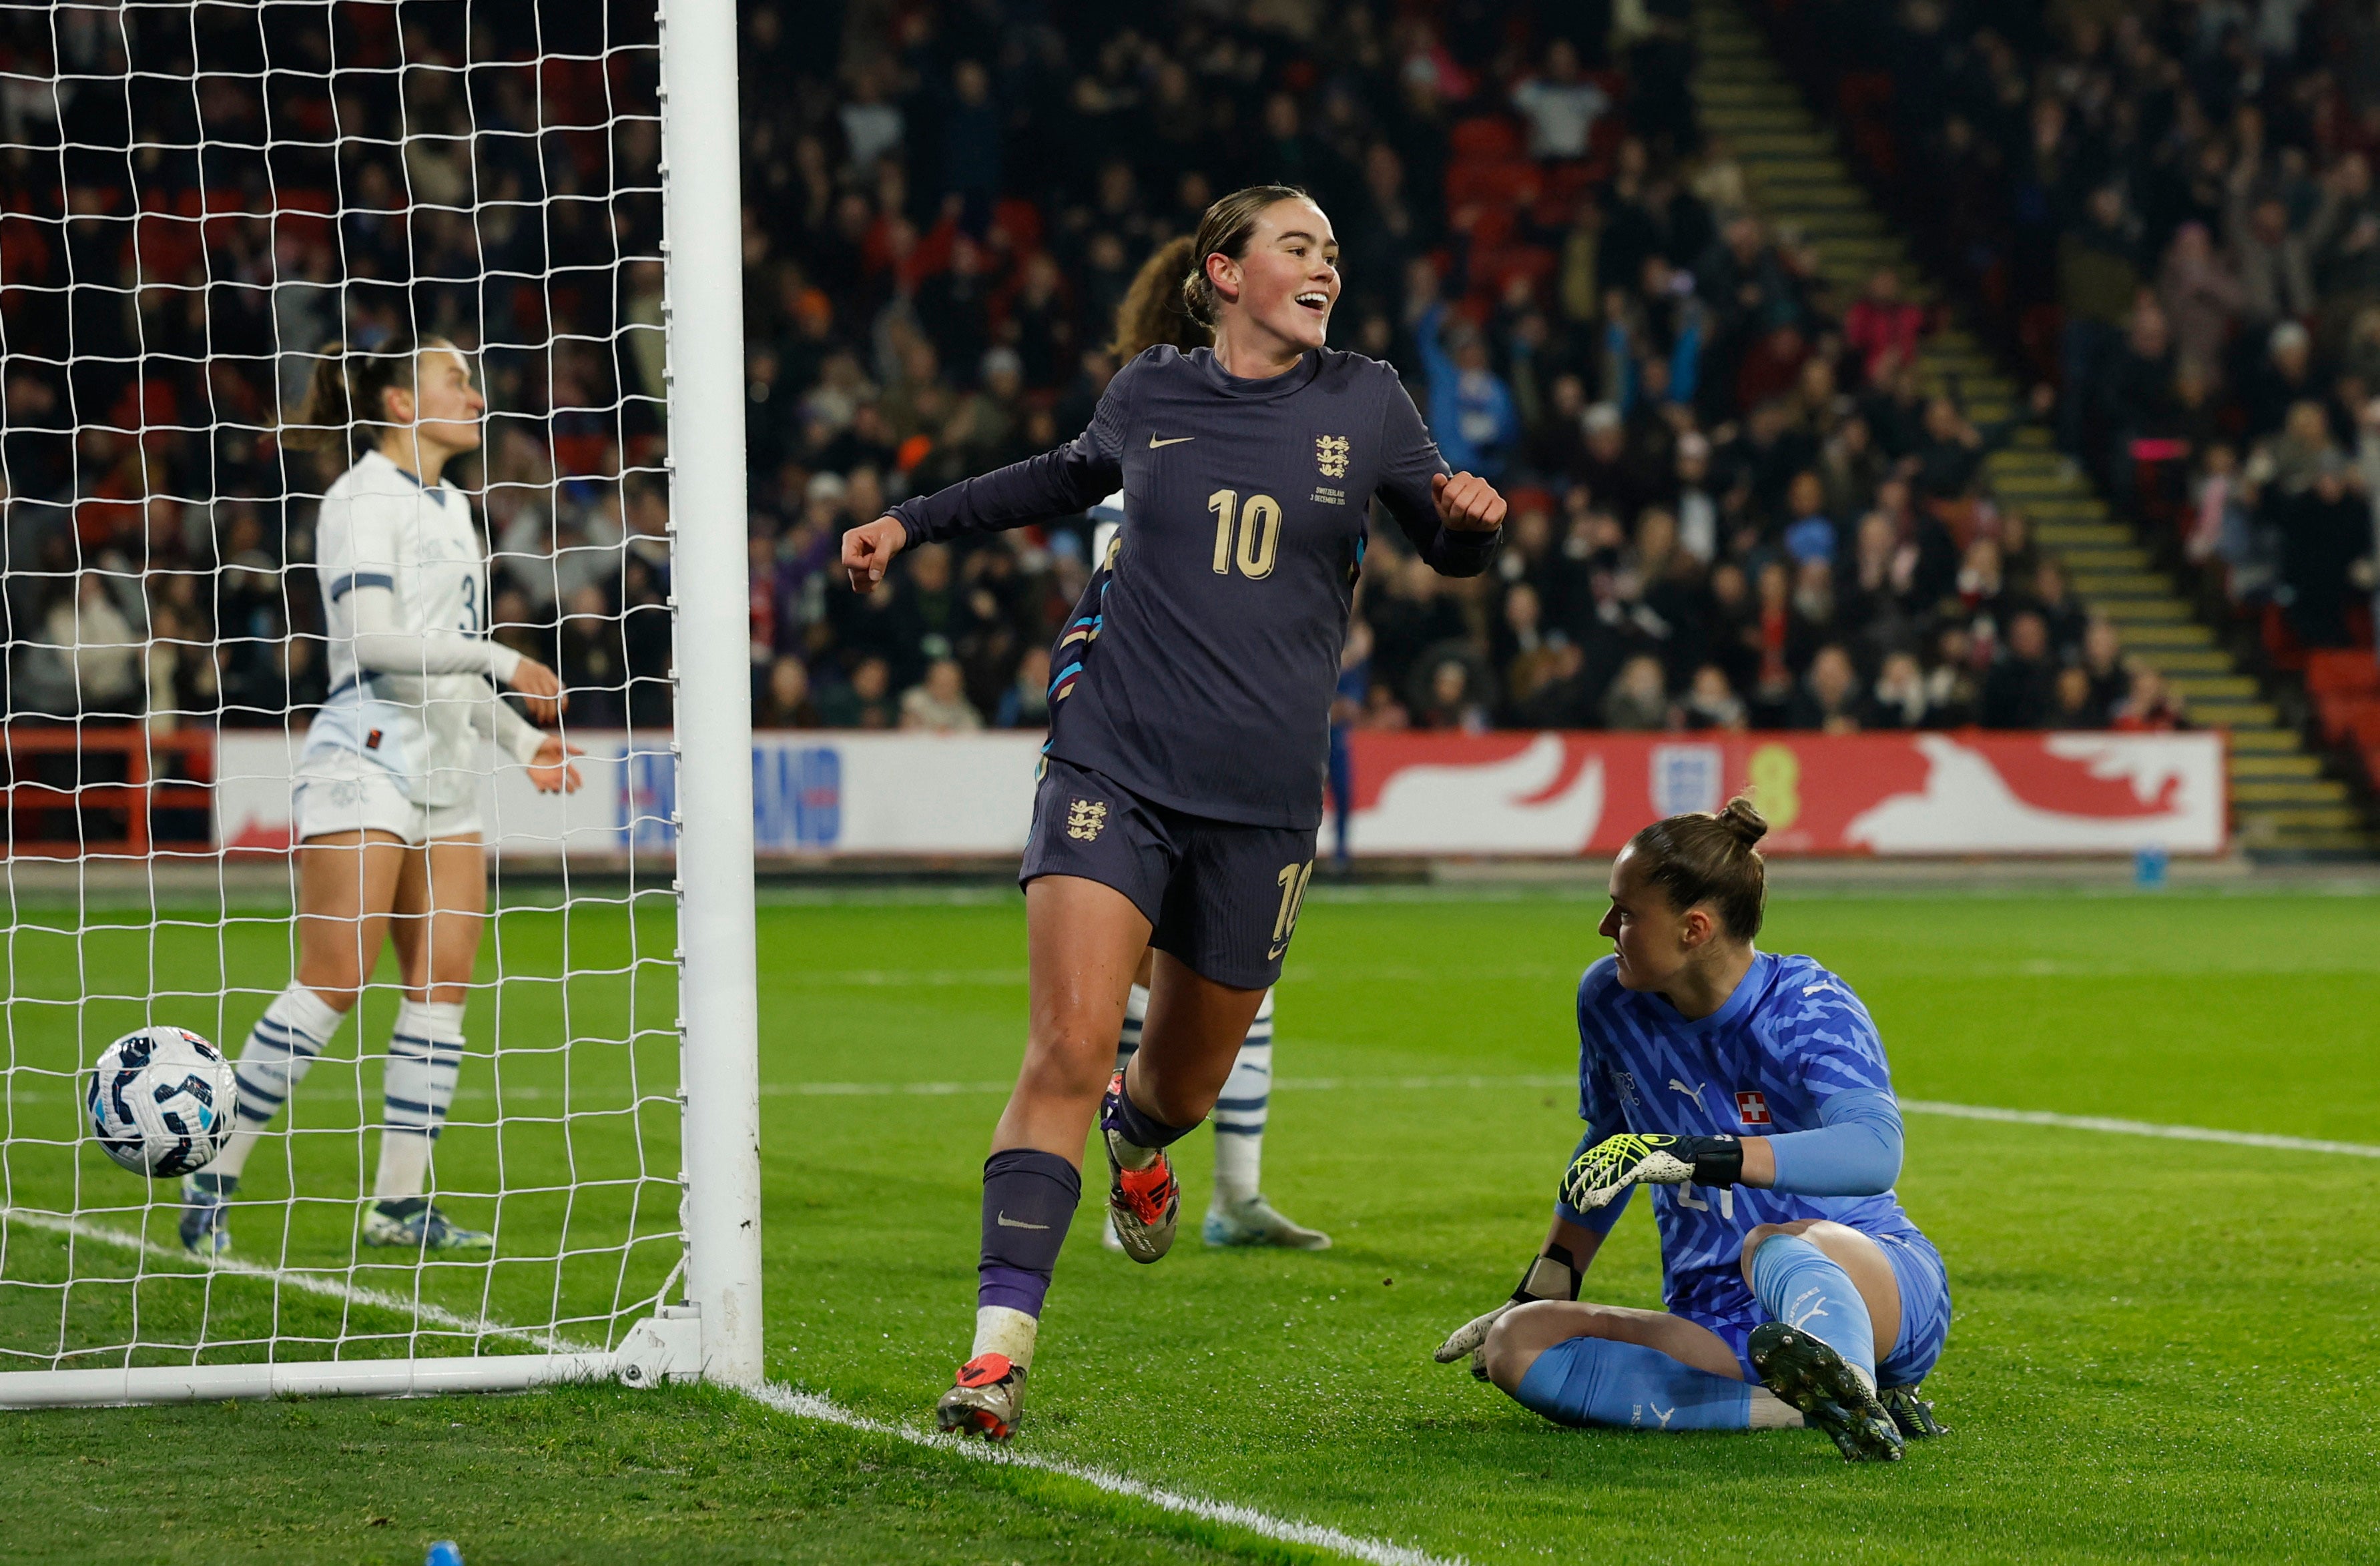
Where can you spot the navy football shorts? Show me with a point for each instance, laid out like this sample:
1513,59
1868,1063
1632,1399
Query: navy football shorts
1222,897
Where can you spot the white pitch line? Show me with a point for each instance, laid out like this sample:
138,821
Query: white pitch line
313,1283
805,1405
2144,1128
2103,1124
1355,1547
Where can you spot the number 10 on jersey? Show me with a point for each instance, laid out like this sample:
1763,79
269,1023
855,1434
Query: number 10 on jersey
1258,527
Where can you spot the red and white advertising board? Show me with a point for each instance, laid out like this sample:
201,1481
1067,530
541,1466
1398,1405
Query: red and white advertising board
1967,792
818,793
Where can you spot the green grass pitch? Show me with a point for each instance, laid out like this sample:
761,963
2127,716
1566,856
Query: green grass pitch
2161,1348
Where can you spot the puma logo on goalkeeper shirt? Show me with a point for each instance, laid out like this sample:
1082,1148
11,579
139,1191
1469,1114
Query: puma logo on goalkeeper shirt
1008,1222
1170,441
1696,1092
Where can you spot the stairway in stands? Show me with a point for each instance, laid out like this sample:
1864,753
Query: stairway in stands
2281,802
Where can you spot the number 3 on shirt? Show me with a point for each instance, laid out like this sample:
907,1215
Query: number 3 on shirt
1258,526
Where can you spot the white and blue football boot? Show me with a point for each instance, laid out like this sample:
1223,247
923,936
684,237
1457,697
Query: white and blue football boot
206,1216
414,1225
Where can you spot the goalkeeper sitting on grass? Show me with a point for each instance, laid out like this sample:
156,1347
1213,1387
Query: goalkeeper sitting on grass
1750,1091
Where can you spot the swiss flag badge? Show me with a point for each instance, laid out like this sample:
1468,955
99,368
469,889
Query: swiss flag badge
1751,1109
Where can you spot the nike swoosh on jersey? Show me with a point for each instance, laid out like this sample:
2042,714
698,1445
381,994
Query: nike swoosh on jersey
1008,1222
1171,440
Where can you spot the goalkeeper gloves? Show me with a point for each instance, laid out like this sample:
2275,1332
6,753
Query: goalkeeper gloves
1553,1274
1613,1165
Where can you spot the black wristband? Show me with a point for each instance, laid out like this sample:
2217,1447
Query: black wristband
1718,1160
1554,1269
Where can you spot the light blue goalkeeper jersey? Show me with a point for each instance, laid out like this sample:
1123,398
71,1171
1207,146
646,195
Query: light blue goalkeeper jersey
1791,1036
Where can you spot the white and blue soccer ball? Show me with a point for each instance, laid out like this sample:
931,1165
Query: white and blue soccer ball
162,1101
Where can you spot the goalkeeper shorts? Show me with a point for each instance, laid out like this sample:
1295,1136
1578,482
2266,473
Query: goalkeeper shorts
336,791
1925,1314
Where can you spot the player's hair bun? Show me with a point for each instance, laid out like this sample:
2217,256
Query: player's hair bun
1701,858
1742,818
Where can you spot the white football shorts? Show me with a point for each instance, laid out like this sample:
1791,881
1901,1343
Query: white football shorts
337,790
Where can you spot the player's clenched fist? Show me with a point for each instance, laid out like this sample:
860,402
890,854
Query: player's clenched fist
1467,503
868,549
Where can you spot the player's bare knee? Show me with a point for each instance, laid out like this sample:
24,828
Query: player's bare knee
1751,1240
1506,1354
1064,1067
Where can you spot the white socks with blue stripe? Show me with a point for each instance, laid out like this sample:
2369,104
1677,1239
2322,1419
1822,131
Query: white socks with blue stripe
1240,1115
280,1048
1240,1112
425,1054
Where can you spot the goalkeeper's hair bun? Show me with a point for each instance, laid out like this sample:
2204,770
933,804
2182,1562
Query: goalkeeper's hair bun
1745,821
1700,857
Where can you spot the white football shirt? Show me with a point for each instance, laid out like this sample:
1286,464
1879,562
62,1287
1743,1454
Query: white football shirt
405,605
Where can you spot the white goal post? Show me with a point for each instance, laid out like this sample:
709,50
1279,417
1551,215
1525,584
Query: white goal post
98,1304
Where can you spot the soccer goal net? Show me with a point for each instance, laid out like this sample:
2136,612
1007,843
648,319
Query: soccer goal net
497,1151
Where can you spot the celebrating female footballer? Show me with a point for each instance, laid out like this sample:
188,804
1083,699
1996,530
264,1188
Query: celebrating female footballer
1152,312
1785,1257
1182,784
387,795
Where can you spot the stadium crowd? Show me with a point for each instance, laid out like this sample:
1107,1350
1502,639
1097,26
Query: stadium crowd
1732,506
170,261
2173,208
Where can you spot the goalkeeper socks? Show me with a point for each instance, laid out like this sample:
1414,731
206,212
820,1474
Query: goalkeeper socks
280,1048
1802,1286
425,1054
1603,1381
1030,1197
1240,1115
1136,1014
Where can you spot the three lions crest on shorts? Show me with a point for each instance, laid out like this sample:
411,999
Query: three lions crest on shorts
1085,817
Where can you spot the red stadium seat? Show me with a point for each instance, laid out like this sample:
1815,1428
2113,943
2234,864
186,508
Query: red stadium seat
1510,183
1486,137
1021,220
2282,644
1490,227
2345,716
1532,262
2366,729
2342,671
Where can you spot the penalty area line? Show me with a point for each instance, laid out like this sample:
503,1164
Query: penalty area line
809,1405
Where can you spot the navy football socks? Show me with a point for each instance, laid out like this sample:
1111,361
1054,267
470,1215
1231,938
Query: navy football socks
1030,1197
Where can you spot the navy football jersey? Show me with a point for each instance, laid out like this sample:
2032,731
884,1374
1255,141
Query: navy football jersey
1199,668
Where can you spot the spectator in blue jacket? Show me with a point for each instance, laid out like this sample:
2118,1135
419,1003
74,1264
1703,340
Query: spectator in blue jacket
1471,411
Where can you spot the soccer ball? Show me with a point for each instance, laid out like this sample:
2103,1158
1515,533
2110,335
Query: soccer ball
160,1101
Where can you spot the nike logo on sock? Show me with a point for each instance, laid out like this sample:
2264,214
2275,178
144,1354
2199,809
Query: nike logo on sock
1008,1222
1172,441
